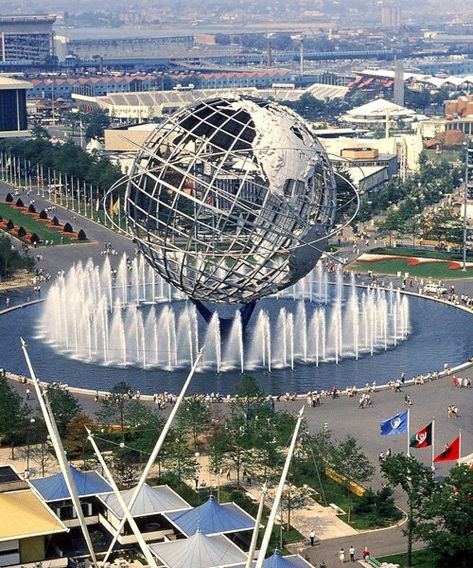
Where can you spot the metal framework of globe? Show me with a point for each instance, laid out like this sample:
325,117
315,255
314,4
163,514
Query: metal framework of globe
232,199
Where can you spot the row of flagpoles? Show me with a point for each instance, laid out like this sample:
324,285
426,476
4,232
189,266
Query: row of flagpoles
423,438
60,188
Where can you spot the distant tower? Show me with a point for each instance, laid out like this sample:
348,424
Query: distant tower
269,61
399,83
300,39
390,15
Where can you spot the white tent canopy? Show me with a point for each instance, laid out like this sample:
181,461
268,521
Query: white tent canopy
199,551
150,501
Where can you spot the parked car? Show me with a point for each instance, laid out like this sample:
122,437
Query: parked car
432,288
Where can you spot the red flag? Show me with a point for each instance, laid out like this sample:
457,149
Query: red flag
451,452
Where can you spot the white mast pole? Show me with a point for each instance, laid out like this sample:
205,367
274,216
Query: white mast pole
155,452
60,453
277,497
254,538
129,517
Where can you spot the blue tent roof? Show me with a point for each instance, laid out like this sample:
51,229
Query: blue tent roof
278,561
87,483
212,518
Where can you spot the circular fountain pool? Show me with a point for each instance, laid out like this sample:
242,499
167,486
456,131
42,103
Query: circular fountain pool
95,330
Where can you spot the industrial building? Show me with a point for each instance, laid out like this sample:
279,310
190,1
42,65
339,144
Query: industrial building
26,40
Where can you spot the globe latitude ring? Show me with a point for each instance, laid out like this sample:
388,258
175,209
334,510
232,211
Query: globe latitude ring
231,199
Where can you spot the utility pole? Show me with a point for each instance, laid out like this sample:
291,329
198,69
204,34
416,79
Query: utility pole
469,153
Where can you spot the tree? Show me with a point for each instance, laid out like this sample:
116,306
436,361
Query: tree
232,441
417,483
11,260
448,519
13,415
144,426
349,461
193,417
39,131
76,437
294,498
114,407
178,459
97,120
247,397
64,405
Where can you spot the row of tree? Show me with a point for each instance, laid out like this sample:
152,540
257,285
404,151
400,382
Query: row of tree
67,158
404,200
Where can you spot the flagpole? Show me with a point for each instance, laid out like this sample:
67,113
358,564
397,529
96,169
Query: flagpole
408,431
433,443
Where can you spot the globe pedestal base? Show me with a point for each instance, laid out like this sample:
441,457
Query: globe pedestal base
246,312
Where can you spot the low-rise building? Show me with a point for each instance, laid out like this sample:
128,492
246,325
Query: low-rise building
27,526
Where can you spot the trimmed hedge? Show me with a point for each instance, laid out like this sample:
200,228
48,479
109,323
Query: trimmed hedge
55,221
81,235
34,238
68,228
19,203
9,198
10,225
32,208
43,214
21,232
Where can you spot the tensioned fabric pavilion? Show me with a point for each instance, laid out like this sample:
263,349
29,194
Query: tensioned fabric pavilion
54,487
199,551
23,515
150,501
212,518
279,561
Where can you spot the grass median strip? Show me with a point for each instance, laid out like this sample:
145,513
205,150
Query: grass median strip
31,224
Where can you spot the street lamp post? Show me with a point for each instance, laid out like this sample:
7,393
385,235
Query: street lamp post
465,197
28,445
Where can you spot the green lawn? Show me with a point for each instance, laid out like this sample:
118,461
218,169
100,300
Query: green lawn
418,253
336,493
420,559
31,225
425,270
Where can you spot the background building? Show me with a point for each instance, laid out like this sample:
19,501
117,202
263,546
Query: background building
13,117
26,39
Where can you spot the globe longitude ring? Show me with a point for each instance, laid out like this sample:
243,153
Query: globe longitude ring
228,197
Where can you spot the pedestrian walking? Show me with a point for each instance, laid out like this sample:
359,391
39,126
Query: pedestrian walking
312,537
366,554
351,551
341,556
28,393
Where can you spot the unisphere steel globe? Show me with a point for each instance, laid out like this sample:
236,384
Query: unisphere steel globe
231,199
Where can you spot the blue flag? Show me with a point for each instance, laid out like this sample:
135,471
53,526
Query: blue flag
395,425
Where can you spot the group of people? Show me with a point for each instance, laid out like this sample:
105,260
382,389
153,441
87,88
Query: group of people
365,400
351,553
108,249
460,382
313,399
452,411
